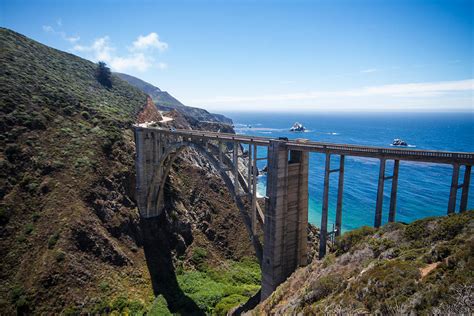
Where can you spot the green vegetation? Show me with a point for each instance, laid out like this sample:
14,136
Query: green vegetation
20,299
61,133
424,267
216,290
52,240
159,307
350,239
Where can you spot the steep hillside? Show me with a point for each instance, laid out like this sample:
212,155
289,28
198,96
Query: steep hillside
425,267
71,239
166,102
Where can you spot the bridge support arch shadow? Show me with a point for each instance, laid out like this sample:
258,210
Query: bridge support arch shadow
157,247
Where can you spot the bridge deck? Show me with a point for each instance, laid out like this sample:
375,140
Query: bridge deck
434,156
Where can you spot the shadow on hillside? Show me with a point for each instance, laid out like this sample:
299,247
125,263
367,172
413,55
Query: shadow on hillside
156,244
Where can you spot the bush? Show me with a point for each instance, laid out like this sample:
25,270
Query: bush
52,240
227,303
198,256
345,242
29,228
20,299
387,284
120,306
159,307
60,256
323,287
69,110
451,226
85,115
418,229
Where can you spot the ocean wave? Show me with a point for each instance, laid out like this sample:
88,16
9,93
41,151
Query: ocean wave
407,146
259,129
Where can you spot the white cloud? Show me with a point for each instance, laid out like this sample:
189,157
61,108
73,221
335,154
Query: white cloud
102,50
405,96
138,56
151,40
63,35
136,61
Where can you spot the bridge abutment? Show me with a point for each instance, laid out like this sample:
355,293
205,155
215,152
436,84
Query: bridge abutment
286,215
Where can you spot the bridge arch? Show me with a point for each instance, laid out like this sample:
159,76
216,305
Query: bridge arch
155,196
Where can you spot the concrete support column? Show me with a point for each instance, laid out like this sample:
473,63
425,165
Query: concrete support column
393,195
249,171
141,185
298,170
465,188
145,164
324,214
379,205
454,189
340,192
286,215
236,167
254,169
220,152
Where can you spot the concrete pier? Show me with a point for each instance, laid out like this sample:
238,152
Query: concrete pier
340,193
393,195
286,215
454,189
465,188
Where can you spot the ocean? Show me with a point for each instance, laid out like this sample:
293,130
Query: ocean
423,188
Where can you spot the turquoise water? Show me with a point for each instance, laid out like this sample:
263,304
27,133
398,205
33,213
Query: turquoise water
423,188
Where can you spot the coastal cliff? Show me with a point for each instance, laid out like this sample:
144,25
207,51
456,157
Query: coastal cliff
72,240
421,268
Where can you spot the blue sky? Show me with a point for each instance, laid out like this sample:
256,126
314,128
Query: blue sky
272,55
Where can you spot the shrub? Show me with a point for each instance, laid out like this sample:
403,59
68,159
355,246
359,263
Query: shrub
198,256
28,228
418,229
387,284
85,115
227,303
60,256
122,304
159,307
69,110
52,240
35,216
450,226
345,242
323,287
20,299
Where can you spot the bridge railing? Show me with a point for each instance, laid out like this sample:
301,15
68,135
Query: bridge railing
434,156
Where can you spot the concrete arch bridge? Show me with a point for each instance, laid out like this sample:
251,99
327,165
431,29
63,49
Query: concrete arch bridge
285,220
